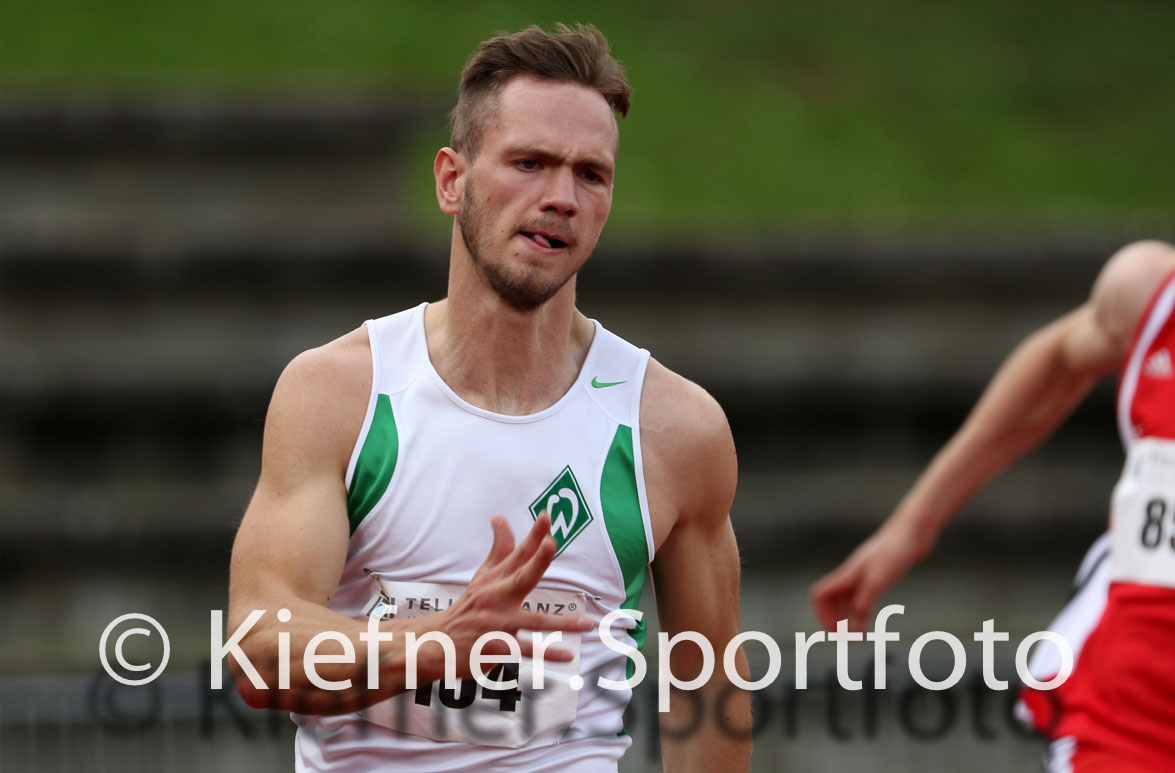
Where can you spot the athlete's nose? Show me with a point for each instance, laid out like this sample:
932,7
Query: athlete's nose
559,193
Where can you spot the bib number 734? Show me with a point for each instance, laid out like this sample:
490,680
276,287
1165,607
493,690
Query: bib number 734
466,693
489,714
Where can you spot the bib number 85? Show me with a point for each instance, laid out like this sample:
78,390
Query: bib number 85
1152,525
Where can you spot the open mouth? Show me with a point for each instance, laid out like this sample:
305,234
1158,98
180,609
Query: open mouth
550,242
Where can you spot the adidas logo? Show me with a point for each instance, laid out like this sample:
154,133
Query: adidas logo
1158,365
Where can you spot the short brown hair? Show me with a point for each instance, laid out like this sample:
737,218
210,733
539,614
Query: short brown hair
579,55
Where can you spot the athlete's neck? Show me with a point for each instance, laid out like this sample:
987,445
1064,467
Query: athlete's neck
504,360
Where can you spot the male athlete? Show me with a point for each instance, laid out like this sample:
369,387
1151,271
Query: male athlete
1116,713
397,457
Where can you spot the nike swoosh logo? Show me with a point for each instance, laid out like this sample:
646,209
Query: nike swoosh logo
601,384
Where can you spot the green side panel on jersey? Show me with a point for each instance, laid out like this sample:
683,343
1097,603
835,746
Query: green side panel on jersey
626,527
377,462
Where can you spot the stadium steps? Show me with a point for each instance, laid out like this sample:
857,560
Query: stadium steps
159,263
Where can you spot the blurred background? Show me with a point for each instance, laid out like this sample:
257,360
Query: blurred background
836,217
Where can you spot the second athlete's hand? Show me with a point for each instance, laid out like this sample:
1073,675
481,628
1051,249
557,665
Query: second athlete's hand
850,590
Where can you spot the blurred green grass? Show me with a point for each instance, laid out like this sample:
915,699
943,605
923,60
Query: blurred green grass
749,116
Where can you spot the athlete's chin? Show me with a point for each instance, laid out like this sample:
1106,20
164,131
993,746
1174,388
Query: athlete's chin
526,300
527,294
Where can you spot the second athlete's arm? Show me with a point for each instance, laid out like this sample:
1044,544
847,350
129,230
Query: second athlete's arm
1039,385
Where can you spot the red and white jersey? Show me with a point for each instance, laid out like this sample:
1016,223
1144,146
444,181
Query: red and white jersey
1146,393
1120,700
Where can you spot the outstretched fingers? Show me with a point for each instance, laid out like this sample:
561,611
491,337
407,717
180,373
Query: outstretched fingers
542,625
539,621
526,577
503,544
501,548
510,573
531,544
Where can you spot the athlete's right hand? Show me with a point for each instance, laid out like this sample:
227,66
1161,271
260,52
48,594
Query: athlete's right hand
493,599
851,590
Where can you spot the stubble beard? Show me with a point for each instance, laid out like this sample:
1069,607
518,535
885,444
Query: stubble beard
523,290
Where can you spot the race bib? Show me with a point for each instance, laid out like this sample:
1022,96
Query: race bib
475,714
1142,519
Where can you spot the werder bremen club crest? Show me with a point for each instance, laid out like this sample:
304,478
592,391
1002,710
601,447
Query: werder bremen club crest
568,509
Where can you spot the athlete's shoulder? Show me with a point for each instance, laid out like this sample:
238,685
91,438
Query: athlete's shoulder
1126,285
337,368
688,448
673,403
320,399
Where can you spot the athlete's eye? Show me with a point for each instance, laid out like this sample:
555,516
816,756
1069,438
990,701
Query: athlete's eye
591,176
528,164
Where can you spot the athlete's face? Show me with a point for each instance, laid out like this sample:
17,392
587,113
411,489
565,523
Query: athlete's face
538,192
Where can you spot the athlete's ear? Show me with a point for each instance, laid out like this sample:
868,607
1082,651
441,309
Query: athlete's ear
449,170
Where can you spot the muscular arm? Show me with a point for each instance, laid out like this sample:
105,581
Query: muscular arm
691,472
1039,385
291,548
292,543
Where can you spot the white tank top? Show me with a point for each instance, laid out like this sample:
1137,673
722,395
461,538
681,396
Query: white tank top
427,473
